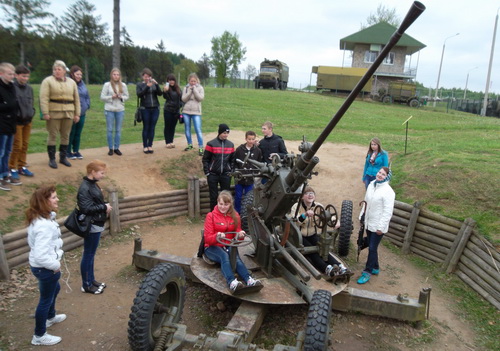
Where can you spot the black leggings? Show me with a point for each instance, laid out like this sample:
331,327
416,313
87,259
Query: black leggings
315,257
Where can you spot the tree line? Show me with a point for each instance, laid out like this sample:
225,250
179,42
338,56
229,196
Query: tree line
79,37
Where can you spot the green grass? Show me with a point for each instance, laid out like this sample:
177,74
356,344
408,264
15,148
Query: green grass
451,163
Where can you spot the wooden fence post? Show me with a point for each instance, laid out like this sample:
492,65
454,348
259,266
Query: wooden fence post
191,196
197,204
4,265
456,250
114,216
411,228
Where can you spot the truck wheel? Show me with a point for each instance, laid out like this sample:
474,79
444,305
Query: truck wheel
276,85
345,228
246,201
162,289
318,321
386,99
414,103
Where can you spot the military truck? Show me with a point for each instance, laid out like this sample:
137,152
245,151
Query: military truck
340,79
403,92
273,75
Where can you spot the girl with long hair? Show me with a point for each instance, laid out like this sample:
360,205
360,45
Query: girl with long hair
192,96
45,242
171,110
114,94
376,158
76,73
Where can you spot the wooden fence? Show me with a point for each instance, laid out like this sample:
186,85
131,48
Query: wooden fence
453,244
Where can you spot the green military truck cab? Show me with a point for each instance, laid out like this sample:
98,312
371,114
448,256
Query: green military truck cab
403,92
273,75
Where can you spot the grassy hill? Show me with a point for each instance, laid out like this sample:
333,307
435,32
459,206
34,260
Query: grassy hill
451,164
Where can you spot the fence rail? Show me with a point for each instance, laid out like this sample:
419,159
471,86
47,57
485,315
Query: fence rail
455,245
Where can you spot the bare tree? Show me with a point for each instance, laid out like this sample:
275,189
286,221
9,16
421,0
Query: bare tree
116,33
24,14
250,72
383,14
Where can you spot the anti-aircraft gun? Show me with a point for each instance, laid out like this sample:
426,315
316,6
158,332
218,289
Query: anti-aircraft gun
275,256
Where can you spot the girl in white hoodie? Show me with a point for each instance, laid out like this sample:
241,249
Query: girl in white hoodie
44,239
379,206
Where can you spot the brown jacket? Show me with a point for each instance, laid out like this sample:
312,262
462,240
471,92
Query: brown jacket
59,96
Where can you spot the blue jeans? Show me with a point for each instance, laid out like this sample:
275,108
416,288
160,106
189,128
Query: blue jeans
6,141
114,120
221,255
367,180
90,244
48,284
149,119
373,242
239,191
75,135
197,128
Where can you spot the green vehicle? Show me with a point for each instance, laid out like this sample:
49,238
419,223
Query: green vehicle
273,75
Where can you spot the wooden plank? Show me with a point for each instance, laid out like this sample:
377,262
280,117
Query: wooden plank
403,206
471,273
458,246
411,228
484,244
424,254
433,240
438,256
135,198
478,289
440,218
4,264
481,268
436,232
436,247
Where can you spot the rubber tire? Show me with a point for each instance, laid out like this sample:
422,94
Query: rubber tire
318,321
165,284
246,201
414,103
346,228
387,99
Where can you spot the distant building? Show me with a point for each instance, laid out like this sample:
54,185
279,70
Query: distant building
369,42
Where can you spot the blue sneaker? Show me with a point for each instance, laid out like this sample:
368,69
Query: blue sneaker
14,174
375,271
79,156
365,277
25,172
72,156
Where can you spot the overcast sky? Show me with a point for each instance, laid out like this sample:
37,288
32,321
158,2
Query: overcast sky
307,33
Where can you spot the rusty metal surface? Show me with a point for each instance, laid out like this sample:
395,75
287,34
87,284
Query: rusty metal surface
276,291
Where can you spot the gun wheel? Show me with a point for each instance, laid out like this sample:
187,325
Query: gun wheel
331,212
162,289
345,227
319,217
318,321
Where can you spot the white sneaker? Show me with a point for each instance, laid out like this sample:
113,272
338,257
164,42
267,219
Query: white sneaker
45,339
235,285
343,269
57,319
331,270
252,282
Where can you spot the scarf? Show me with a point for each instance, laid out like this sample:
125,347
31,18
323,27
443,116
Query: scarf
388,178
373,156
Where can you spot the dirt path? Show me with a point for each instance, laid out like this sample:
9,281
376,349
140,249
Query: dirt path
100,322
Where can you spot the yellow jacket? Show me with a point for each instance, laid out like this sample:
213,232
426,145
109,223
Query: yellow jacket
59,96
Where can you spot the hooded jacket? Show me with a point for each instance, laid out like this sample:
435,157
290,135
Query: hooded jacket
25,101
8,108
45,242
192,99
84,97
271,145
379,206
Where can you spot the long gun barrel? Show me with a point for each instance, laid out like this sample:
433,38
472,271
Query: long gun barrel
306,163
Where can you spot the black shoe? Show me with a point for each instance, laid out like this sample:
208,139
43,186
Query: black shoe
110,152
118,152
52,163
92,290
98,284
64,161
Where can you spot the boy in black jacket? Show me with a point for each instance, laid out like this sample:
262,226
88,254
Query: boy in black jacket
8,114
244,185
218,159
24,92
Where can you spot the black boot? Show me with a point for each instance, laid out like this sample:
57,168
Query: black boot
51,149
62,155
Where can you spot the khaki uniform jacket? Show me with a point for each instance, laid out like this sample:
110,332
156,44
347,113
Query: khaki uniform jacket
59,98
306,224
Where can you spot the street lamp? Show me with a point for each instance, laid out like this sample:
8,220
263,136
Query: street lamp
467,80
485,101
441,65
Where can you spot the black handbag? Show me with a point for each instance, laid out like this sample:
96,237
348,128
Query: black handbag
138,114
78,223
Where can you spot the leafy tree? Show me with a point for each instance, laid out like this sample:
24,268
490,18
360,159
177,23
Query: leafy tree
383,14
227,54
204,68
24,14
184,69
80,25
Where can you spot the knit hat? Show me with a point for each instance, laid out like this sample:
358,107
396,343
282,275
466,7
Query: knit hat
223,128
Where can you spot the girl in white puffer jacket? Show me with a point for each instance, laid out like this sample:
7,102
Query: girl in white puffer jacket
379,206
